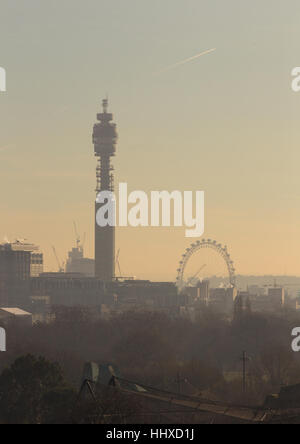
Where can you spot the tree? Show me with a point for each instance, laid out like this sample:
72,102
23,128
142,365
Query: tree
277,362
30,392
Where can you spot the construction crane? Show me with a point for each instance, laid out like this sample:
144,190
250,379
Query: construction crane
83,241
79,242
60,266
118,263
78,239
194,277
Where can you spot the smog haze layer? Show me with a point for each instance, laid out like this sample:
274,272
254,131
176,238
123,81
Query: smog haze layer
226,123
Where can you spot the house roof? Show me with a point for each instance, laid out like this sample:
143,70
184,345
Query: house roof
15,311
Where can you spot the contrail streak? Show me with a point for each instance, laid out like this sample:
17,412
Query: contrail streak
183,62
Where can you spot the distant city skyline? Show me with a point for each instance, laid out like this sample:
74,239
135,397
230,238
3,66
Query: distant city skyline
226,123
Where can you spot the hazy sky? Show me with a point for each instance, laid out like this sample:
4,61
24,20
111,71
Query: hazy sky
227,123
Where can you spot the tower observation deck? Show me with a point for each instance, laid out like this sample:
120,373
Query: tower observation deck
104,139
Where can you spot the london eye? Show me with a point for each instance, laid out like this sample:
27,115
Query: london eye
182,281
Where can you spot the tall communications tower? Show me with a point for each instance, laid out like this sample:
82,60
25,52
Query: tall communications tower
104,139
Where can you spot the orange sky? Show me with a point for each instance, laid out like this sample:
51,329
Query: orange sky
226,123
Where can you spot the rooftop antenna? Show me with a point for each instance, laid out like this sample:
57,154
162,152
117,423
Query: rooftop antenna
105,104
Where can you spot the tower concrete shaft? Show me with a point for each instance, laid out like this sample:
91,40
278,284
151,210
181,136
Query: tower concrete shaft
104,139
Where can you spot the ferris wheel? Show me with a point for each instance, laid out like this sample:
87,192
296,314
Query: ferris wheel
195,247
